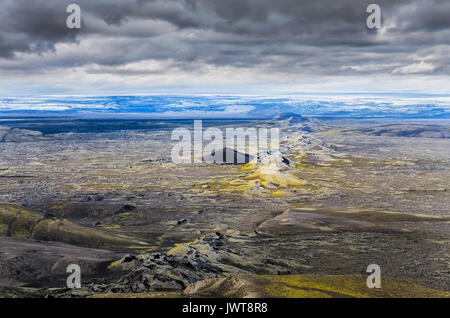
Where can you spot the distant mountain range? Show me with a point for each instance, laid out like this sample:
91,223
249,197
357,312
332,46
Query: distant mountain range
293,118
357,106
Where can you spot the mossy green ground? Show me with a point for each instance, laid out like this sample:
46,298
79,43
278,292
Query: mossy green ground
297,286
324,286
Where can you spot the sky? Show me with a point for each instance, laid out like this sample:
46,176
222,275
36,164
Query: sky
236,47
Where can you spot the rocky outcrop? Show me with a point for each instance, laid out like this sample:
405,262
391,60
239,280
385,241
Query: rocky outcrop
19,135
175,270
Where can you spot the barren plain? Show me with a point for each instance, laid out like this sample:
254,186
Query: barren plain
343,194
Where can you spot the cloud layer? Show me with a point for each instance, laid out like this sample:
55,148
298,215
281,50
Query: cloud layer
186,42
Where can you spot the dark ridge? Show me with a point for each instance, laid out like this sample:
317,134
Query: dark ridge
238,157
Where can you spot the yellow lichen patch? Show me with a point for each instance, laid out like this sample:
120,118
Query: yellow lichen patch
278,178
294,286
179,250
180,244
303,207
239,185
113,264
141,247
279,193
249,166
214,187
303,166
111,227
398,162
301,156
67,187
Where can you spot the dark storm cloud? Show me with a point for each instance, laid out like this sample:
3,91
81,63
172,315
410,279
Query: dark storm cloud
31,26
318,37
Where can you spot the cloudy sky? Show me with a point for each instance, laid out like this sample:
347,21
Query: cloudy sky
223,47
